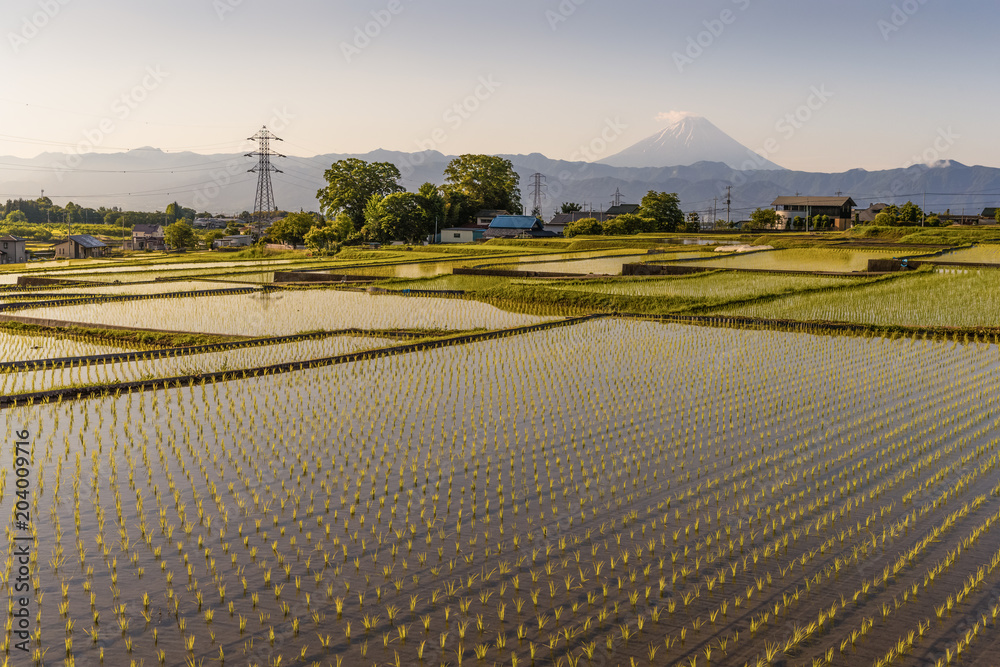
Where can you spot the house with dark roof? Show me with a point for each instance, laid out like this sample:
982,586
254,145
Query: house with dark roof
839,209
12,250
486,216
558,223
516,227
988,216
623,209
146,237
866,216
80,246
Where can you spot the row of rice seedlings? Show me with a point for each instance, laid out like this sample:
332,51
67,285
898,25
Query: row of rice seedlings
712,287
197,463
88,373
292,312
935,299
803,259
22,347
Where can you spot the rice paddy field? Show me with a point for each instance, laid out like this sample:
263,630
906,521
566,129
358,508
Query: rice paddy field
802,259
604,264
941,298
540,491
978,254
286,313
496,504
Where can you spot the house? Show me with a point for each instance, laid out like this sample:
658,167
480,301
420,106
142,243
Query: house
838,209
468,234
558,223
517,227
988,216
236,241
80,246
560,220
623,209
12,250
866,216
486,216
146,237
214,223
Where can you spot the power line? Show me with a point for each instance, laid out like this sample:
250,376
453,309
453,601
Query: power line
264,207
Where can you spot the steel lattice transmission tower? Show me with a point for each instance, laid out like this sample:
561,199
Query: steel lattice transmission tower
538,188
263,206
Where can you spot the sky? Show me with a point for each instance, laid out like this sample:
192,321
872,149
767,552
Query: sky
823,85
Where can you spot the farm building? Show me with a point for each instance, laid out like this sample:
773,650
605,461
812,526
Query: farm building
461,234
237,241
80,246
12,250
516,227
146,237
838,209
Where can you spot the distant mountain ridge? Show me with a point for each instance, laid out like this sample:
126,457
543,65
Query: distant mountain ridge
690,140
150,179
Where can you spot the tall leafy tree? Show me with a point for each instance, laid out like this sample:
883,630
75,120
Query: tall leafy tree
487,180
293,228
664,209
180,235
395,217
571,207
351,183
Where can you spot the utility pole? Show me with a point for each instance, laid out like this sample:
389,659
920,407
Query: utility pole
923,209
715,211
264,207
729,202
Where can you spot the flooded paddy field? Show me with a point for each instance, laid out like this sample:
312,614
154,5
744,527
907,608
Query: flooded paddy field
608,492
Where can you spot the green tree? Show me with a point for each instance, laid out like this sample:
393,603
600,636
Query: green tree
765,218
351,184
693,223
996,216
395,217
663,209
571,207
630,224
325,238
884,219
233,228
211,237
432,206
910,214
583,226
488,180
15,217
180,235
292,229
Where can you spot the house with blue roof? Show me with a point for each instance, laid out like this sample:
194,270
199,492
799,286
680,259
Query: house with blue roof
516,227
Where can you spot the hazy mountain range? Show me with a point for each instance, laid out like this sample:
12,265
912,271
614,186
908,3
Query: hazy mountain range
704,158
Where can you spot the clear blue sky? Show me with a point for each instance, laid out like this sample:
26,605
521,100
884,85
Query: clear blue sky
550,75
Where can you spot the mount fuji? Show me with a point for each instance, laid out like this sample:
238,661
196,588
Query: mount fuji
690,140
